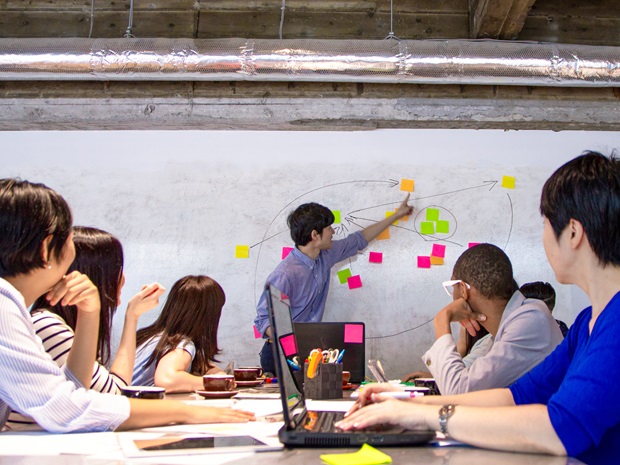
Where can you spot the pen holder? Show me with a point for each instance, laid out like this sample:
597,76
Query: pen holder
327,382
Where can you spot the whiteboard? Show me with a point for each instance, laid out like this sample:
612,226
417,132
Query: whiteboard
181,202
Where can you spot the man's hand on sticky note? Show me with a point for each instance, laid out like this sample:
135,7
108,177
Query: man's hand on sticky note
404,210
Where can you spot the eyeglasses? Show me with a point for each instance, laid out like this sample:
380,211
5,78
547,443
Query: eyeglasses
449,285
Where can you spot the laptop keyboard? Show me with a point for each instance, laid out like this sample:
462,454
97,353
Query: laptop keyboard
323,422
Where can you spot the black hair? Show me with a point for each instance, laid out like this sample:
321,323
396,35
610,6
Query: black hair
541,291
587,189
487,268
98,255
307,218
192,311
29,213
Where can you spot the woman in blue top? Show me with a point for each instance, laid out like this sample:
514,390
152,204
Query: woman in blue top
567,405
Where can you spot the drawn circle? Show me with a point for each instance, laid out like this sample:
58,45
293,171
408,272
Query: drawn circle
433,237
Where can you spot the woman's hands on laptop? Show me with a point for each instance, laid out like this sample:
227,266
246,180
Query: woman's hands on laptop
371,393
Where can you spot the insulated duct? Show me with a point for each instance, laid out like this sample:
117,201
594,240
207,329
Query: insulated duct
484,62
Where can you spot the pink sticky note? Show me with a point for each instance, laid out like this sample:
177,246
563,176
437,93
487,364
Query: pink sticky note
424,262
286,251
439,251
375,257
289,344
256,333
284,296
471,244
354,281
353,334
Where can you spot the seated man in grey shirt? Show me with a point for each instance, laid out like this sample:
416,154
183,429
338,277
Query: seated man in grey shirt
484,293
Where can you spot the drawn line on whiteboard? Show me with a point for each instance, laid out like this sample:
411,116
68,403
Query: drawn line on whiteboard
511,220
401,332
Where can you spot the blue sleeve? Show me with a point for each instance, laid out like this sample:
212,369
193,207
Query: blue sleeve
345,248
280,281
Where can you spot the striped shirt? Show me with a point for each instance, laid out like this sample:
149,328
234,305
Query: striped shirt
30,382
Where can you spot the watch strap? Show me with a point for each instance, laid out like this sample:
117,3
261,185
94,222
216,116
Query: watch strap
445,413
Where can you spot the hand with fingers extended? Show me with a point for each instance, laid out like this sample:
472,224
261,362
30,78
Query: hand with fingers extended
407,414
75,289
145,300
221,415
458,311
405,209
368,394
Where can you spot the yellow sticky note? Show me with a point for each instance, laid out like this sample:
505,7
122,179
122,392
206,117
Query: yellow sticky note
384,235
407,185
242,251
388,214
436,260
367,455
402,218
508,182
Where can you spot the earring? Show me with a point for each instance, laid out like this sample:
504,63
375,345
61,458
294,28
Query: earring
49,266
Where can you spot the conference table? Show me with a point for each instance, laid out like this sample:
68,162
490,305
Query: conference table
29,448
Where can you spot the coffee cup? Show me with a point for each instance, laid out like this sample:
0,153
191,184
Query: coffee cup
219,382
246,374
259,370
143,392
346,377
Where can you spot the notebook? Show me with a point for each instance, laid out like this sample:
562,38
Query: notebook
316,429
349,336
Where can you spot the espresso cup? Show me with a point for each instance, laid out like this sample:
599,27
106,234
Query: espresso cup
220,382
259,370
346,377
143,392
246,374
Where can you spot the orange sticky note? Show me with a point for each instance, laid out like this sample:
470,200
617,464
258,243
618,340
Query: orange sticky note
385,235
407,185
242,251
388,214
436,260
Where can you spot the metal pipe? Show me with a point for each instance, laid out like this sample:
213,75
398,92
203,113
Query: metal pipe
484,62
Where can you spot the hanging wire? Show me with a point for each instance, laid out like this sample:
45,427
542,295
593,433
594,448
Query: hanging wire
282,17
391,34
129,32
92,18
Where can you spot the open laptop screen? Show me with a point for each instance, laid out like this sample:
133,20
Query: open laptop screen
284,347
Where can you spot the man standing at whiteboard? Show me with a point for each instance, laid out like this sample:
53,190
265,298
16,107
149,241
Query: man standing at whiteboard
305,272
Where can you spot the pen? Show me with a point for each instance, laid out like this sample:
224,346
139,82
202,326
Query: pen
393,394
340,356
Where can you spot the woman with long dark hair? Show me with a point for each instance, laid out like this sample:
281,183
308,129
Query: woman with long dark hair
36,249
181,345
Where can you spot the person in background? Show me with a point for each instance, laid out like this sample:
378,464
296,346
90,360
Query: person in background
485,293
36,250
305,272
181,345
568,404
546,293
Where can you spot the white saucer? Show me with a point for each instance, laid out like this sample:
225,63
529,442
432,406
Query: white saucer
257,382
217,394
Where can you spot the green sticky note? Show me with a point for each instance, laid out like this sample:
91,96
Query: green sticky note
367,455
343,275
443,226
432,214
427,227
336,216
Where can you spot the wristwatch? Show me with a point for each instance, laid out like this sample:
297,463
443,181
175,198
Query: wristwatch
445,413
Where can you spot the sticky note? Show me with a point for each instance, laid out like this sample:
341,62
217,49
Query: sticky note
388,214
367,455
424,262
289,344
384,236
286,251
242,251
353,333
438,251
427,227
354,281
443,226
402,218
432,214
508,182
336,216
257,334
472,244
283,296
407,185
436,260
343,275
375,257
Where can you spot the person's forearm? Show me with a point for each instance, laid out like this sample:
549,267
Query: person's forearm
178,381
442,324
126,354
144,413
526,428
372,231
461,344
488,398
83,352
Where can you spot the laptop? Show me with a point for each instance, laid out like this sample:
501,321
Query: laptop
316,428
349,336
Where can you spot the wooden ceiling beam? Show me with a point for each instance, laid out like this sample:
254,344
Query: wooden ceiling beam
497,19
